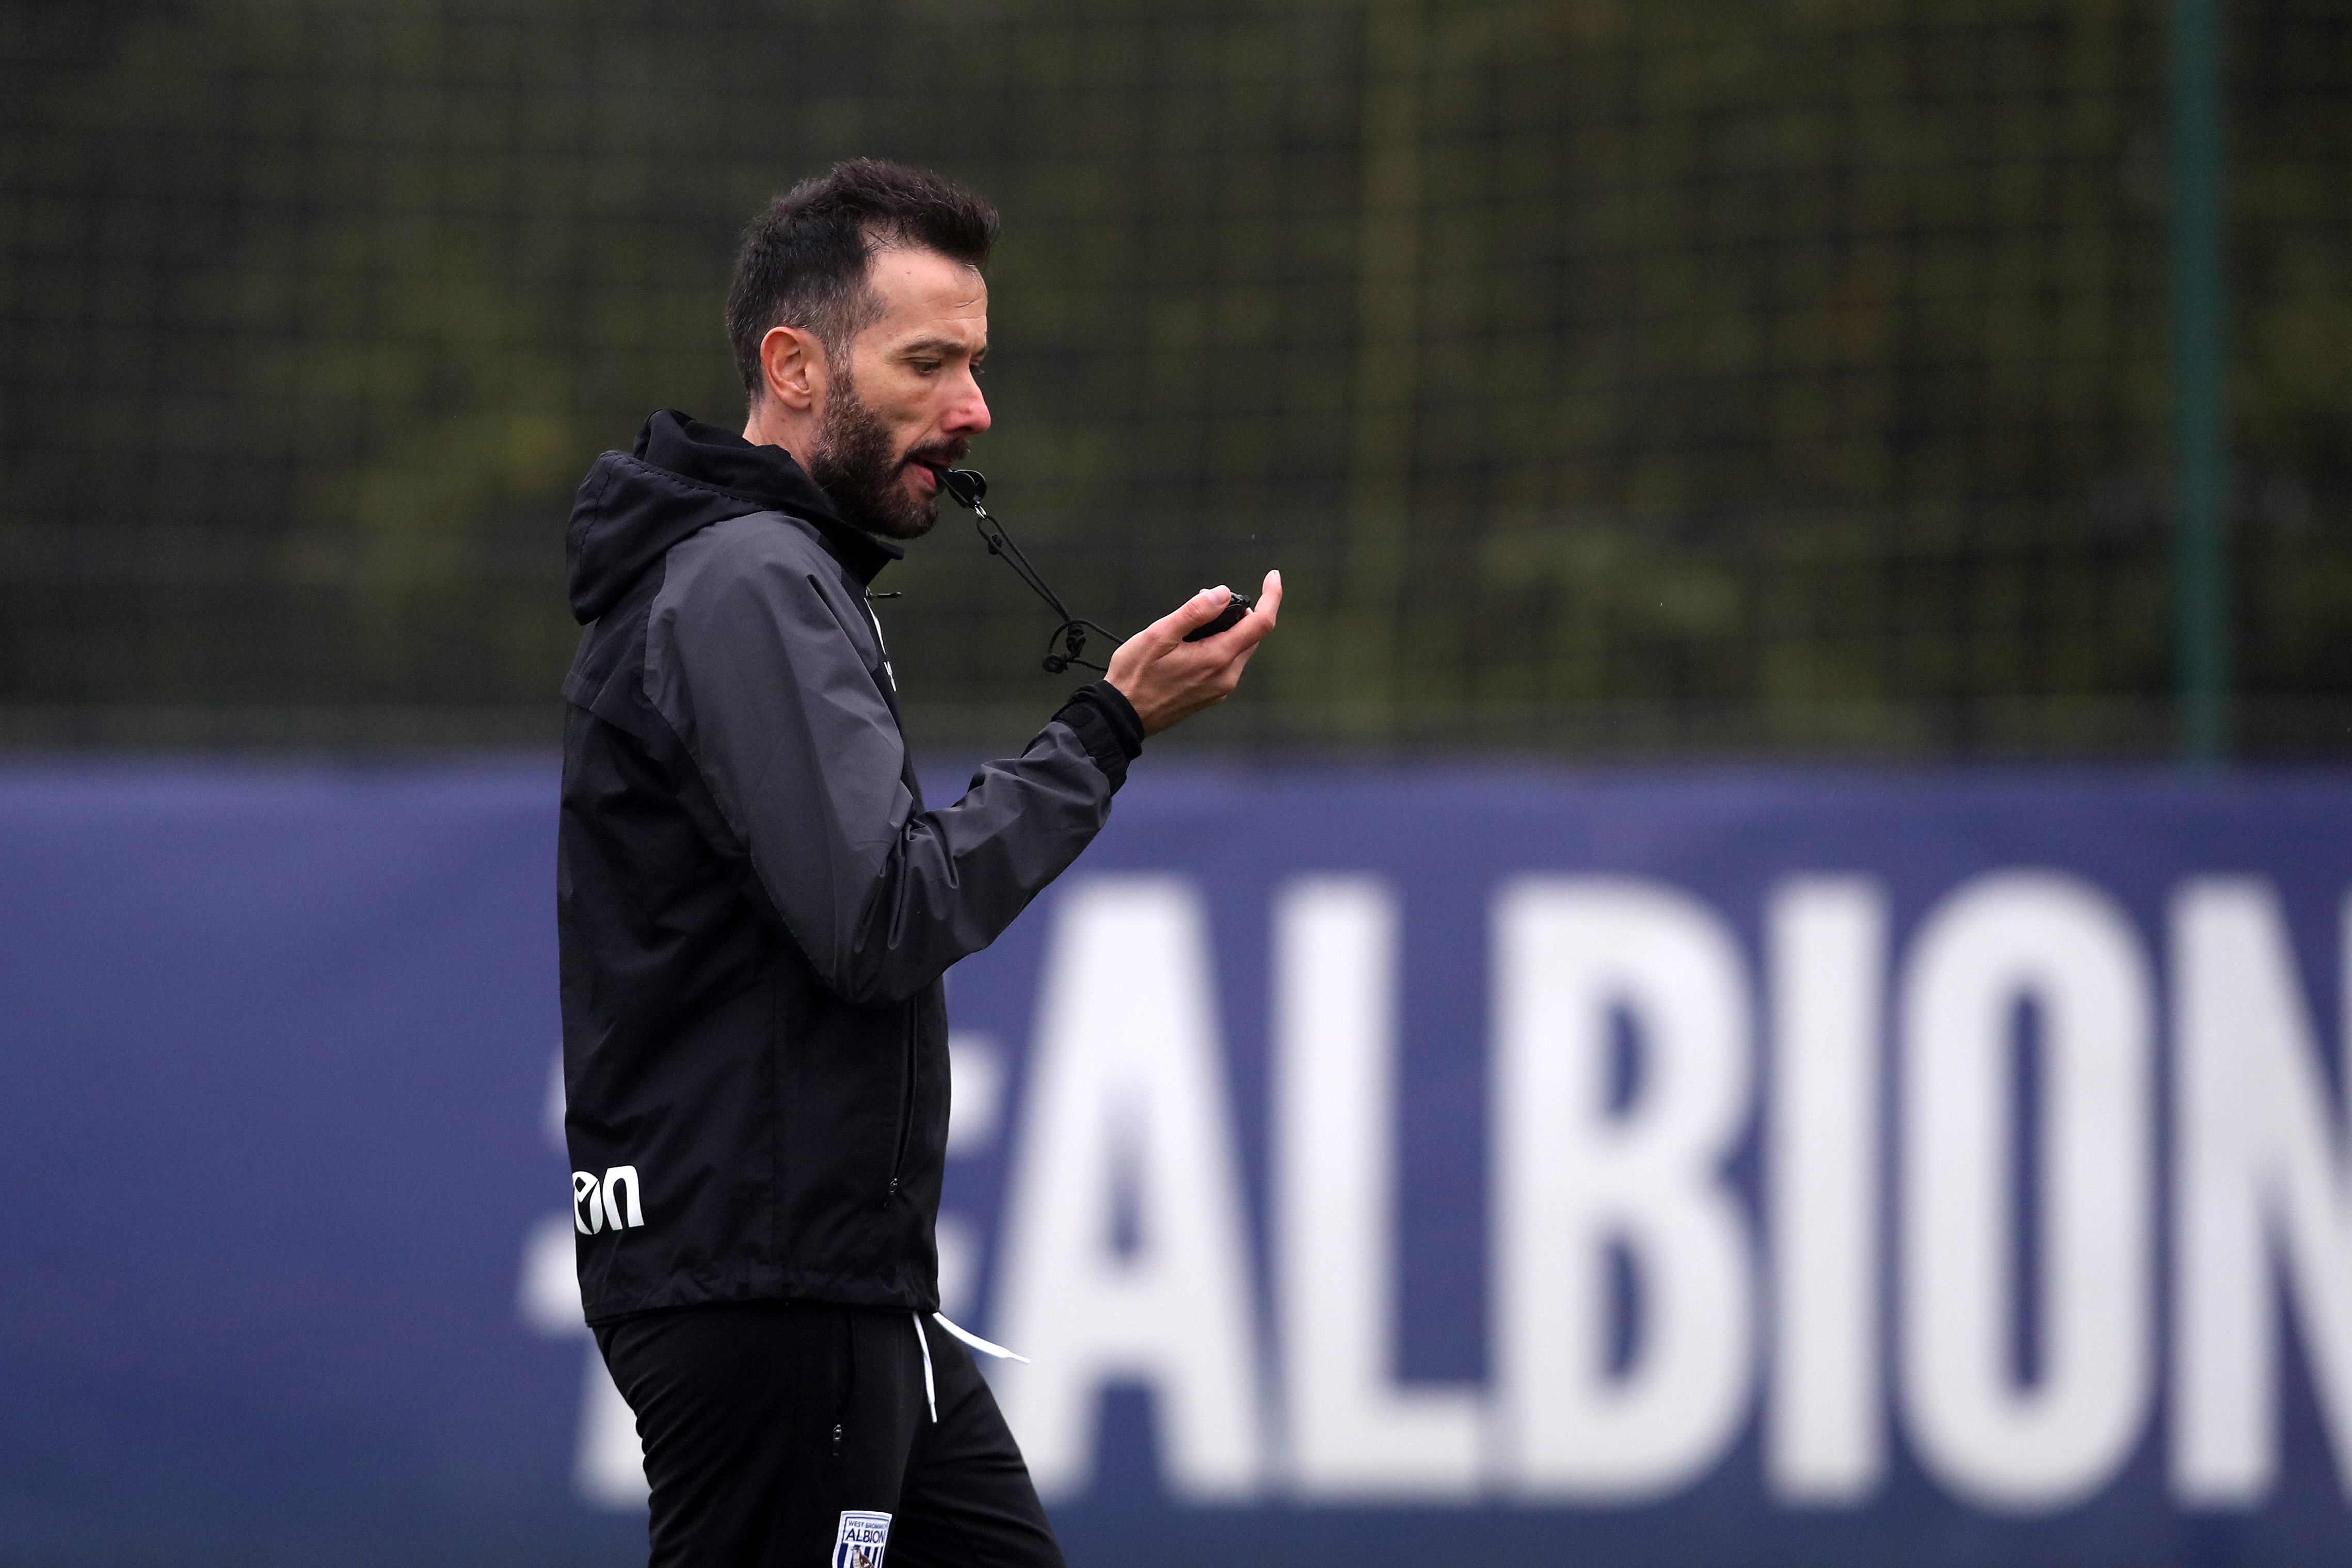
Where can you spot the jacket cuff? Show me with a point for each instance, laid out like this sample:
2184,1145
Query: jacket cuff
1107,725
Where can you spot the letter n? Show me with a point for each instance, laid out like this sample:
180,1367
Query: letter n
614,1180
2264,1197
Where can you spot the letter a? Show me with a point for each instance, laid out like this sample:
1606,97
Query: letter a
1126,1095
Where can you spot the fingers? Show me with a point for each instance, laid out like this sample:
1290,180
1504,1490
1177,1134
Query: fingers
1269,597
1166,634
1168,678
1252,629
1197,611
1254,626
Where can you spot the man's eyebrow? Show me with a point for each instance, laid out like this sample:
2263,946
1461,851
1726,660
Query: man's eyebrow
939,346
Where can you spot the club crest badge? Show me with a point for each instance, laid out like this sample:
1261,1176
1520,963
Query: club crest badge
861,1540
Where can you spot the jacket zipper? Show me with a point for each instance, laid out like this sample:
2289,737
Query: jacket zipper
907,1104
881,644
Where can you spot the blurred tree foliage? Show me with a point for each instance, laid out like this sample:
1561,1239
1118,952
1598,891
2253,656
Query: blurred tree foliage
1676,374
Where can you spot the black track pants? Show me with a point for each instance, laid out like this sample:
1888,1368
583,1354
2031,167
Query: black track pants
769,1427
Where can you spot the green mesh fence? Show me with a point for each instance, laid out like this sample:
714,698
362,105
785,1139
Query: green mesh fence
1677,376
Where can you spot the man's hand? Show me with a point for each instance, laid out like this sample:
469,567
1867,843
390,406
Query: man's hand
1168,678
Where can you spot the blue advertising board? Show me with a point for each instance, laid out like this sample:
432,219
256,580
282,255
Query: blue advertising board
1378,1167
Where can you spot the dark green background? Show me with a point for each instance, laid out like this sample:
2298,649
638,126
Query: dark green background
1696,376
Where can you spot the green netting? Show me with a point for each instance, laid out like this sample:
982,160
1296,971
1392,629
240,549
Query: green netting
1696,376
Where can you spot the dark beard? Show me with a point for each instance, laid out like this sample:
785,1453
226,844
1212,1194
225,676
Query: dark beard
854,464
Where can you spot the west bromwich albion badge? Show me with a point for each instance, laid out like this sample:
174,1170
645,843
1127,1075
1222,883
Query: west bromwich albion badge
861,1540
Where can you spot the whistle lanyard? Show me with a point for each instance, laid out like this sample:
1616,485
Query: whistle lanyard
967,485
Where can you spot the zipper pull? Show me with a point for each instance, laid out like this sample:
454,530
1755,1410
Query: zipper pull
836,1440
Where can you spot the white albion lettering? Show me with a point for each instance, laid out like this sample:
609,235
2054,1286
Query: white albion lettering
587,1203
1352,1432
1993,950
1578,1184
608,1463
618,1180
597,1203
1125,1255
1825,938
2264,1188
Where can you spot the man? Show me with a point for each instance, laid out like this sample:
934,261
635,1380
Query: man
756,909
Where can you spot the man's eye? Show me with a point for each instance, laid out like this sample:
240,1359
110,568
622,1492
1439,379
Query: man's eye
926,366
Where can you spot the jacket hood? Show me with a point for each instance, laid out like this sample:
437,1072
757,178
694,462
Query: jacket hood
682,477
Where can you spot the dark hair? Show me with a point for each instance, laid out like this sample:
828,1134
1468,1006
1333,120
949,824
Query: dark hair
804,261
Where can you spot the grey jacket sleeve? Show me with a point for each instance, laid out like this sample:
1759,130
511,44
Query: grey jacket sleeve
764,663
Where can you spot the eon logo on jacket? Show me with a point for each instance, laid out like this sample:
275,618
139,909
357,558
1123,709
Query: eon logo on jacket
595,1205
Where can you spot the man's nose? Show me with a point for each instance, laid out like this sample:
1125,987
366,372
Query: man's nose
968,415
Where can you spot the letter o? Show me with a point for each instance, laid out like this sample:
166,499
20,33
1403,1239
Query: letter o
2062,945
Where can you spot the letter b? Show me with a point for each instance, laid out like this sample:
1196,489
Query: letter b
1576,1177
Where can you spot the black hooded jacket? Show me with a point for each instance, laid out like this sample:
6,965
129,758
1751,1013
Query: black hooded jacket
755,909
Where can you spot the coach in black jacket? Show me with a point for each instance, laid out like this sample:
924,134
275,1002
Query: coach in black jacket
756,909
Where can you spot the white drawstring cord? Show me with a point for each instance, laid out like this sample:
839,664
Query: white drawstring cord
976,1342
930,1391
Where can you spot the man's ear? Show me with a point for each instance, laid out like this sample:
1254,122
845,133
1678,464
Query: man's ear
793,368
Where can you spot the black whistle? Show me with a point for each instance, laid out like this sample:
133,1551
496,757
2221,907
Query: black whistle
1228,619
966,485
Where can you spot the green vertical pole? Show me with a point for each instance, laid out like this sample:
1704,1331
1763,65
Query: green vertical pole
2201,456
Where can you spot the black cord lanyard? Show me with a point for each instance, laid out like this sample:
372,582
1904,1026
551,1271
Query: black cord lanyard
967,485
